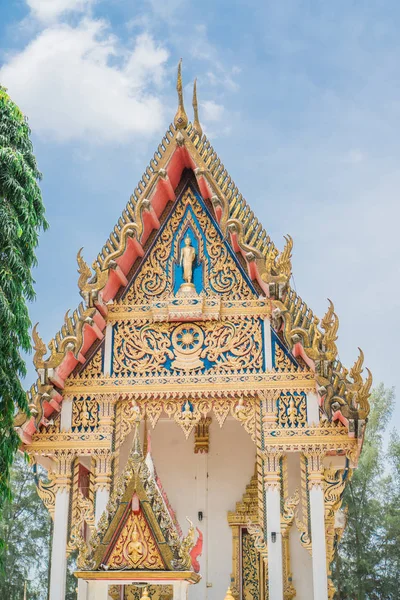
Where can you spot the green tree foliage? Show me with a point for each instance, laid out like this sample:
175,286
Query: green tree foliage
21,219
25,528
368,563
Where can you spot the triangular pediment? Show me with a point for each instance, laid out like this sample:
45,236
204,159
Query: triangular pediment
138,531
135,546
215,270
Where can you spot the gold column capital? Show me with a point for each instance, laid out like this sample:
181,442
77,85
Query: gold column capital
62,477
272,468
102,475
315,466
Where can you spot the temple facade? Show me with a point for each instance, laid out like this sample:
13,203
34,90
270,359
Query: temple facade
194,421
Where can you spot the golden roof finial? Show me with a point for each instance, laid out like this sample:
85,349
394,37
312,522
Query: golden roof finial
229,595
181,119
196,122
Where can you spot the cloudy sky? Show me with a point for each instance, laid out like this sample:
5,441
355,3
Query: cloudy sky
301,100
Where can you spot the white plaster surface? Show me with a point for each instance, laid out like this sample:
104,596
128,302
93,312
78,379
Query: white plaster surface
317,511
312,408
58,554
301,562
230,465
101,503
274,548
66,415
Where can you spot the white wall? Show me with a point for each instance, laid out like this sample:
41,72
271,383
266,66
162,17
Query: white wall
230,465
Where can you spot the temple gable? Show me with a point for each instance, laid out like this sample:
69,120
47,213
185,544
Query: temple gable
215,269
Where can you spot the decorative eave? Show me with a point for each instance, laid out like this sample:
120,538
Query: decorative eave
343,394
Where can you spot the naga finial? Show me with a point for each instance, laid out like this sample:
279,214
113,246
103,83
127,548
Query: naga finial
181,119
196,122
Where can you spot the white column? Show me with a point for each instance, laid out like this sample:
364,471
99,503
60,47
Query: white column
82,589
108,350
312,408
202,506
97,590
59,548
274,537
317,517
317,514
102,496
180,590
102,481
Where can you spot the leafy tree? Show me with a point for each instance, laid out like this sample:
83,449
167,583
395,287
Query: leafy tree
368,561
21,219
25,528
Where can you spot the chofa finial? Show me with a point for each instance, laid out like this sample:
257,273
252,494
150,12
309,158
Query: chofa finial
196,122
181,119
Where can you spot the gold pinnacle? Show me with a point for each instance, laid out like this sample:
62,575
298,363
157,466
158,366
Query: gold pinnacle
196,122
145,594
229,595
181,119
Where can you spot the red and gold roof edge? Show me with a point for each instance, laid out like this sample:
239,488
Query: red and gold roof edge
343,393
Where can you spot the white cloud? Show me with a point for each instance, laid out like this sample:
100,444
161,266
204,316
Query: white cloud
211,110
77,83
49,10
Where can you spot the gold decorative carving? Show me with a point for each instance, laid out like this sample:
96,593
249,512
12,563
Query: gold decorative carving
63,459
334,484
187,341
135,547
292,410
94,366
83,514
278,267
103,461
290,504
244,517
85,414
202,436
282,361
89,284
303,523
47,493
180,120
220,274
234,345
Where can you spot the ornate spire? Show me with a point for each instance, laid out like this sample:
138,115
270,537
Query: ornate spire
196,122
181,119
136,452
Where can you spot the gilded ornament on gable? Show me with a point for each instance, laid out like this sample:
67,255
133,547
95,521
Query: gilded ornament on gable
221,273
162,348
292,409
85,414
135,547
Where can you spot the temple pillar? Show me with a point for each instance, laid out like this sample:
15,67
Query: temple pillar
58,574
82,589
274,537
317,516
102,481
180,590
97,590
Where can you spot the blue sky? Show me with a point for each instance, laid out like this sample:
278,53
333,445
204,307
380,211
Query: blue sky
301,100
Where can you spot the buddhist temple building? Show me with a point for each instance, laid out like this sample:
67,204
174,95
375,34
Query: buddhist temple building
193,418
